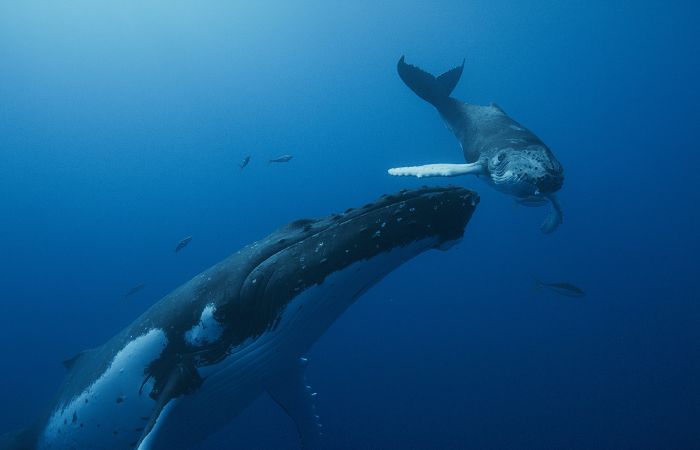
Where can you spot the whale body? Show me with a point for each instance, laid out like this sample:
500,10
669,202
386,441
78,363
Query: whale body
496,148
200,355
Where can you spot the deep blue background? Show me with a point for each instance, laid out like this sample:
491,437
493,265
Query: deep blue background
122,124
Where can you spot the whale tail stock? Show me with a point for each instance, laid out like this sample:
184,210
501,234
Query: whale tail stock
432,89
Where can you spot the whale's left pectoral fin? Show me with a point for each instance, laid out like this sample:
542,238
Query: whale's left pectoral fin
554,218
439,170
290,391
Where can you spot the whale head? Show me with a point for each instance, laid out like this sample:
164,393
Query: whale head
360,246
528,172
290,286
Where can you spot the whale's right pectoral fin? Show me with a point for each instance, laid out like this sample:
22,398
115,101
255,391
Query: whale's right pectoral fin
439,170
554,218
290,391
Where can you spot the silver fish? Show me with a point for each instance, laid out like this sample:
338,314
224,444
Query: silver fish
562,288
183,243
136,288
281,159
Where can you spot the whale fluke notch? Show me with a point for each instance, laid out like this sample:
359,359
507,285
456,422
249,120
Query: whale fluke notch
433,90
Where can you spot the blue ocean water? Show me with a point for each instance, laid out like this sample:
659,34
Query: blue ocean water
122,125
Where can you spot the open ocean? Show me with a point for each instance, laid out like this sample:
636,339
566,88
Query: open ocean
123,123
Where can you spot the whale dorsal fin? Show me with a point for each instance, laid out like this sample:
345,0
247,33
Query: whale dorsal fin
70,362
494,105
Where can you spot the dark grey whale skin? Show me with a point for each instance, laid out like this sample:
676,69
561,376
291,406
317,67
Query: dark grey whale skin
249,307
513,159
485,131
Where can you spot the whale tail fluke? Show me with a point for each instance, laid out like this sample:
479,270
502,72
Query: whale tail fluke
434,90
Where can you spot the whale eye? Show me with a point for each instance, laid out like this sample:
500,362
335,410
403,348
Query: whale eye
501,156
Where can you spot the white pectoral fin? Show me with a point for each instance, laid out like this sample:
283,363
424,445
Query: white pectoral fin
151,434
438,170
554,218
291,392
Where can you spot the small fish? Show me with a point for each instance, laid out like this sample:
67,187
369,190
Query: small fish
563,288
183,243
135,289
245,162
281,159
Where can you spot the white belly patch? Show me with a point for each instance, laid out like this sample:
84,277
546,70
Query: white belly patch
113,411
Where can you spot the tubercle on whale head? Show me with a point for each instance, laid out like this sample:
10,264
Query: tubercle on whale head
393,220
411,215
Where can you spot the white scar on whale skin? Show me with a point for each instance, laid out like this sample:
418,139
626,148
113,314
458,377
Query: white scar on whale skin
438,170
207,330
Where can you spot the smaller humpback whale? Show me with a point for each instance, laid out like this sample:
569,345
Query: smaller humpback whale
564,288
281,159
136,288
183,243
496,148
199,356
245,162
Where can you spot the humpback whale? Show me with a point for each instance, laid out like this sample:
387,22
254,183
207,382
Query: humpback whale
201,354
496,148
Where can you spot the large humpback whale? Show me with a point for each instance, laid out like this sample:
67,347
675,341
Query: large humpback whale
496,148
204,352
